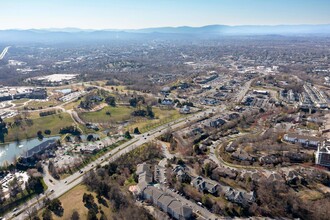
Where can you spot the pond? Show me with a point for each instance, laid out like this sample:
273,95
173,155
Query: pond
9,152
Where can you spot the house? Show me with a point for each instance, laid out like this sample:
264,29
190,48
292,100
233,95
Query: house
322,155
145,177
167,203
239,197
305,140
167,102
180,173
217,123
185,110
241,155
202,185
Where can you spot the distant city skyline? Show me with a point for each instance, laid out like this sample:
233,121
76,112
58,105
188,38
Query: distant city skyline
135,14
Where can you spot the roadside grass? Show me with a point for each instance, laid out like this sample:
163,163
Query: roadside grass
72,200
119,113
52,122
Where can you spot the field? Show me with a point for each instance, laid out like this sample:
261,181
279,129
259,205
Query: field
52,122
120,113
72,200
161,117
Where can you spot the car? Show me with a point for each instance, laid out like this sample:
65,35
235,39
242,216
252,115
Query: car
50,180
52,190
81,171
101,159
66,181
15,209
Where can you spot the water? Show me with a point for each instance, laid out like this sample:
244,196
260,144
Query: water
9,152
64,91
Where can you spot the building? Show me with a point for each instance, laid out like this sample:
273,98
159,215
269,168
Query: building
30,157
185,110
239,197
158,197
217,123
305,140
202,185
167,203
322,155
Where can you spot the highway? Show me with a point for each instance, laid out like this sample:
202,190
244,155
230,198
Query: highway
59,187
4,52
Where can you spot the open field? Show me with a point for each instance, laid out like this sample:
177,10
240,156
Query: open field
161,117
119,113
72,200
52,122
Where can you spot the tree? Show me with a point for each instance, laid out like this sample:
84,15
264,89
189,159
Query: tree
136,131
14,187
31,212
150,113
127,135
39,134
90,137
110,100
91,215
55,206
133,102
47,215
2,195
75,215
3,130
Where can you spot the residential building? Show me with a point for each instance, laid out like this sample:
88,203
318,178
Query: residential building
322,155
167,203
203,185
305,140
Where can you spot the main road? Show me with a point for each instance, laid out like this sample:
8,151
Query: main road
58,188
2,55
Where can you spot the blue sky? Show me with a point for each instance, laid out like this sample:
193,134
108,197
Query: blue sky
130,14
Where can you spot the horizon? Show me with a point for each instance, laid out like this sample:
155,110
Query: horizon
156,27
129,14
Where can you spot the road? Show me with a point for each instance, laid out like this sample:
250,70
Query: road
4,52
58,188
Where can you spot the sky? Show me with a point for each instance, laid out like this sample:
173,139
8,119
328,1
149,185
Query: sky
134,14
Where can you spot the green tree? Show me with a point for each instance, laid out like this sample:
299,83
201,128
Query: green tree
127,135
110,100
47,215
136,131
3,130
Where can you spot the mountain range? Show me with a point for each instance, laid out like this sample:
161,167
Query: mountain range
73,34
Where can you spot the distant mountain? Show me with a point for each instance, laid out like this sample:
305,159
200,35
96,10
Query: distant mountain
76,34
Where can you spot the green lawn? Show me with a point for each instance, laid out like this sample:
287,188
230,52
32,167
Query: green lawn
52,122
120,113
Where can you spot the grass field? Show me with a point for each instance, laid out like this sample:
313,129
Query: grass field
120,113
41,104
52,122
161,117
72,200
